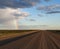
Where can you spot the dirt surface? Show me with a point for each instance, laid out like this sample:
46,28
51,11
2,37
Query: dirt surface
37,40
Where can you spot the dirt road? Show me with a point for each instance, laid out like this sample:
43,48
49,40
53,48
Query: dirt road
37,40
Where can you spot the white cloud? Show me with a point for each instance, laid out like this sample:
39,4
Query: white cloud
8,19
20,14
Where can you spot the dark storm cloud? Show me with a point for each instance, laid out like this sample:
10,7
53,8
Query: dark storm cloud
53,12
17,3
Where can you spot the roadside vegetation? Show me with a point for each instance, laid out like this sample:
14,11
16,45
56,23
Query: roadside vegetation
3,32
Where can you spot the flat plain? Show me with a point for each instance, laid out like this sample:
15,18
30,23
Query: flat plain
42,39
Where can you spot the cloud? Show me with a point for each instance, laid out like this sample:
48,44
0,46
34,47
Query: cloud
41,7
52,7
17,3
32,20
49,8
36,27
40,15
20,14
51,12
46,0
8,19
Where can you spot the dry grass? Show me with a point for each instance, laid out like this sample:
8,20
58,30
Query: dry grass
6,34
55,31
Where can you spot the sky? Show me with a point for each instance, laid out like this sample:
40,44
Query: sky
30,14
